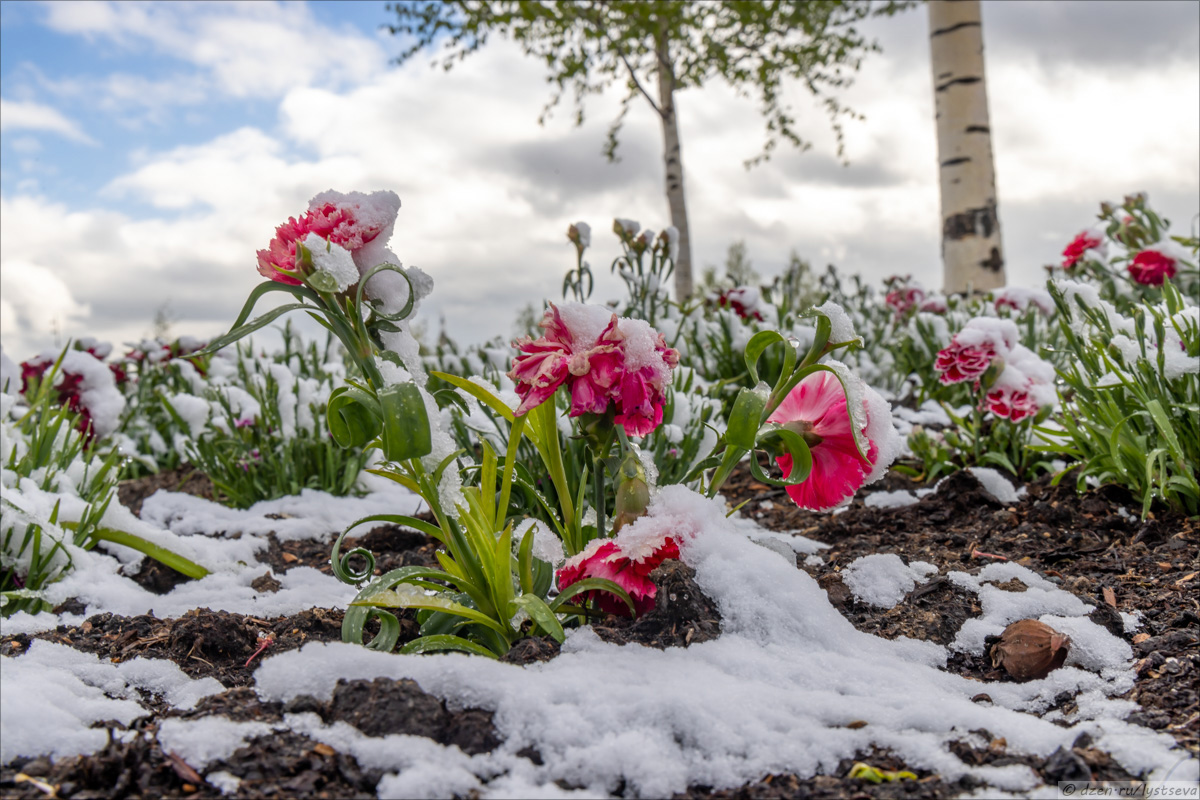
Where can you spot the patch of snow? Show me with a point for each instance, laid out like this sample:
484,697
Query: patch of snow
883,579
996,485
896,499
204,740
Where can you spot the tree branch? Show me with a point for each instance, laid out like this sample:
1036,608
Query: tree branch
637,83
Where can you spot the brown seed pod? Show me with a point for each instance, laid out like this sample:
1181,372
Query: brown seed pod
1030,650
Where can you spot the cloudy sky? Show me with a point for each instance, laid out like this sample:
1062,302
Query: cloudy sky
147,150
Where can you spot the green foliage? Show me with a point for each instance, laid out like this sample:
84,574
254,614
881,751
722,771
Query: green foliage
1132,395
49,461
588,46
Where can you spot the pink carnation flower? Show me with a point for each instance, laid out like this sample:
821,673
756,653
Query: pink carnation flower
1074,252
904,298
351,221
1152,267
935,304
1011,403
959,363
604,558
817,409
628,368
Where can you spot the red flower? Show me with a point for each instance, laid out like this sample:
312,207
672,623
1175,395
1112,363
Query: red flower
1151,268
959,363
817,409
1083,241
904,298
1011,404
605,558
742,301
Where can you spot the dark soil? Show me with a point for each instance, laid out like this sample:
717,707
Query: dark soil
1081,542
184,478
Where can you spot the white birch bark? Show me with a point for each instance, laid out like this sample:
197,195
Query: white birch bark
673,166
971,253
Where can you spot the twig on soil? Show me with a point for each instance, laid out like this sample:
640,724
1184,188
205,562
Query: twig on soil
980,554
265,640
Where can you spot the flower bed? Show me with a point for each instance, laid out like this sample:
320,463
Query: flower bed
661,542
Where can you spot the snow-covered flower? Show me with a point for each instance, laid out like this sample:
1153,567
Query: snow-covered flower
1019,298
581,234
84,384
602,359
1152,266
818,411
1083,243
902,298
626,563
669,238
743,300
354,222
934,304
973,349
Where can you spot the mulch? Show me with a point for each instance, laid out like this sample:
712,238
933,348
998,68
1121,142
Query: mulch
1084,543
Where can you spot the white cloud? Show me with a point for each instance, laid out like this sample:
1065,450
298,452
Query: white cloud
487,193
247,50
18,115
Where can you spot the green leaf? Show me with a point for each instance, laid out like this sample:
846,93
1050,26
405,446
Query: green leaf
251,327
540,613
746,417
758,343
407,596
590,584
478,392
353,417
406,433
443,642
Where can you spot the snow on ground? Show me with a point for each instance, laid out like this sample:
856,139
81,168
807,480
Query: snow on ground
206,529
51,695
883,579
774,693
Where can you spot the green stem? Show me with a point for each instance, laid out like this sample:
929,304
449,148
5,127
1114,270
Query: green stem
598,494
978,411
160,554
730,460
510,460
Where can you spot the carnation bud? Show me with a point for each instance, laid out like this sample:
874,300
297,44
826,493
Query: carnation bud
988,379
633,493
1030,650
1107,209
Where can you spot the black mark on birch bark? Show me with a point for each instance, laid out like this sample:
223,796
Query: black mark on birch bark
964,81
973,222
953,161
978,129
954,28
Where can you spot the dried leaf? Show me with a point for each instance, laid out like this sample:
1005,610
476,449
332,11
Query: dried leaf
1110,596
183,769
323,749
1141,637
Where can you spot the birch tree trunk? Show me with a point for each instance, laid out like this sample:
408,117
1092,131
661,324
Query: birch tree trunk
971,252
673,164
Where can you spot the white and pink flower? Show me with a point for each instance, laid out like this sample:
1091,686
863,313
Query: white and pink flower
625,561
974,348
1020,298
903,298
604,360
358,223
